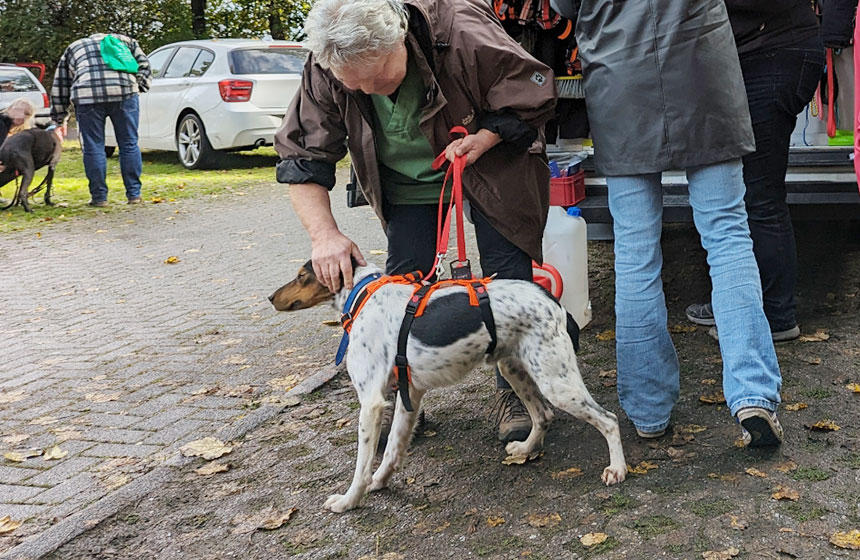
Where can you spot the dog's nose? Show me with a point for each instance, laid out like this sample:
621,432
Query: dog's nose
272,298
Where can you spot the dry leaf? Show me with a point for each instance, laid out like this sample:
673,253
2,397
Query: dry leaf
812,360
641,468
785,493
850,540
276,519
343,422
752,471
853,387
284,383
20,456
572,472
591,539
607,373
331,323
675,454
212,468
794,407
786,467
515,460
495,521
606,335
708,381
824,426
682,329
11,396
738,523
817,337
173,259
713,398
101,397
15,439
428,433
726,554
54,453
209,448
548,520
7,524
442,527
156,200
690,428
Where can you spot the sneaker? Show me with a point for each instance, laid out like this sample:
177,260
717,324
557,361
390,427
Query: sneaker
651,435
760,427
701,314
98,203
512,418
135,200
777,336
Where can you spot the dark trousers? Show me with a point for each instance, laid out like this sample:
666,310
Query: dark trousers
779,84
411,232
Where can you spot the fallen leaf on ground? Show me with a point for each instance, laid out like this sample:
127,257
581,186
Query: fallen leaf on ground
101,397
284,383
114,481
591,539
812,360
11,396
853,387
343,422
785,493
276,519
156,200
641,468
606,335
572,472
495,521
824,426
794,407
15,439
21,456
209,448
738,523
607,373
53,453
65,433
515,460
726,554
7,524
788,466
682,329
212,468
713,398
690,428
850,539
331,323
676,454
818,336
752,471
548,520
726,477
442,527
173,259
708,381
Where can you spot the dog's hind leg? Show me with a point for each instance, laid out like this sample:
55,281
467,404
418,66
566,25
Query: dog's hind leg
49,183
557,375
398,439
530,395
369,420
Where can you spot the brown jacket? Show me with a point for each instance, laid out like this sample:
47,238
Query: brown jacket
472,70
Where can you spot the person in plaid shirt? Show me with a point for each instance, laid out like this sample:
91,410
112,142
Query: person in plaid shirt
98,92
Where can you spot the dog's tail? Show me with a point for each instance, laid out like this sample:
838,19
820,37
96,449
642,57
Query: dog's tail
573,331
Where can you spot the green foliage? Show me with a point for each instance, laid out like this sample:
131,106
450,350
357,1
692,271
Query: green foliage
282,19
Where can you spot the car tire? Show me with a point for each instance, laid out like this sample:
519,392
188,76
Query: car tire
109,150
192,145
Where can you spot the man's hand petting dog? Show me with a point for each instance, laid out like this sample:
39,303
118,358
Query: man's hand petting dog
533,350
332,256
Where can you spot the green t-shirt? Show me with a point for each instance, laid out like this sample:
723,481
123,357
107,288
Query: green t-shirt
404,153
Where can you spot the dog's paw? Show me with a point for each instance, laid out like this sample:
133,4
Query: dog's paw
614,475
377,484
518,448
338,503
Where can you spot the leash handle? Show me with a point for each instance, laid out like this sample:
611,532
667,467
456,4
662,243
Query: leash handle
443,226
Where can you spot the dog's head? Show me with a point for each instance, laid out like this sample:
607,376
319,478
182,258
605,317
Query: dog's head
304,291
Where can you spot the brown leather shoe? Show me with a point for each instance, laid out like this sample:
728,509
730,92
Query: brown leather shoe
135,200
512,419
98,203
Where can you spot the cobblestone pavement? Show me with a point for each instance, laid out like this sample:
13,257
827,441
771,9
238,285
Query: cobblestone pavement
119,358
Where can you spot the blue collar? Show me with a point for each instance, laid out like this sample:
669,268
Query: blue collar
347,308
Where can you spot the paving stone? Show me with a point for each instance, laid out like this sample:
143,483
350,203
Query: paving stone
174,432
21,512
12,475
120,450
62,470
78,484
17,494
108,420
164,418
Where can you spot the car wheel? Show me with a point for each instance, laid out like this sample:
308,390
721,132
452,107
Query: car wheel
193,147
109,150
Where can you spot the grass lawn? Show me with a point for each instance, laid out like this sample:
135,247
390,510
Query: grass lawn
163,178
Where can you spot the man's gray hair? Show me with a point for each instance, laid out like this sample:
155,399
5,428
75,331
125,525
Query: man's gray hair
346,32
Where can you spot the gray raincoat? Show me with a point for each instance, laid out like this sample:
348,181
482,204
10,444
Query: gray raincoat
663,84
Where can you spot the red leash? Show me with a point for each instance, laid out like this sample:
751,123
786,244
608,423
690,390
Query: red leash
460,268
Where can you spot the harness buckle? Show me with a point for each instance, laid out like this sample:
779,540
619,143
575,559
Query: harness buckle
461,270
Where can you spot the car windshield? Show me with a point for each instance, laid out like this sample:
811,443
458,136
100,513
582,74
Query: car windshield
272,60
16,82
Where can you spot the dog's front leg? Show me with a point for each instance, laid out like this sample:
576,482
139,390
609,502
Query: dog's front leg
49,183
398,439
369,420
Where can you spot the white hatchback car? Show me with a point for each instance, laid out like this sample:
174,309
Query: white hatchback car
216,94
16,82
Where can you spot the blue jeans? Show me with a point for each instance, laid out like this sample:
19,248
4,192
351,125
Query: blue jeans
648,370
91,125
779,84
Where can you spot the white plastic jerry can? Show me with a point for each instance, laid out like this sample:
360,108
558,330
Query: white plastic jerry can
565,247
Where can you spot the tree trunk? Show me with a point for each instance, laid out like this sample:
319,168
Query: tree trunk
276,26
198,18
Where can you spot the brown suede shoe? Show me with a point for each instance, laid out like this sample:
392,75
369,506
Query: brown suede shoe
512,419
134,200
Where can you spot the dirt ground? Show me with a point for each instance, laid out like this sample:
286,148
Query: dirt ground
695,493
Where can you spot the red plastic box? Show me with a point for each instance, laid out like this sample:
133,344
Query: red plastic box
567,191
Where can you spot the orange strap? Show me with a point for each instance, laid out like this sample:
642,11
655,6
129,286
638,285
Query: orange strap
409,278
